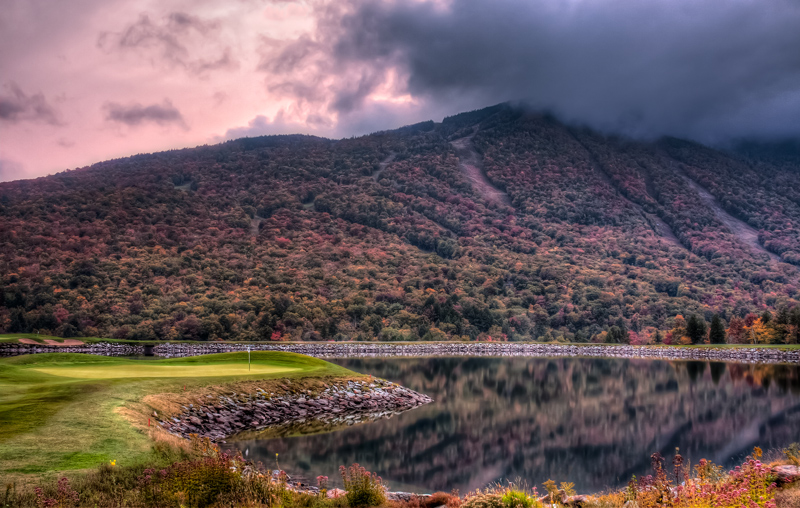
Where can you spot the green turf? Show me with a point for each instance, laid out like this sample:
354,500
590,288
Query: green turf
57,410
139,371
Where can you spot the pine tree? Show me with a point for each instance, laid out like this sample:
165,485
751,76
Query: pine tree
696,329
717,332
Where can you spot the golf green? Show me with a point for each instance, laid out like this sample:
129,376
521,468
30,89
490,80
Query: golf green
62,412
161,371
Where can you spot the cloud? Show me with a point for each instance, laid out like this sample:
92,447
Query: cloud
16,106
708,70
135,114
260,125
180,40
371,117
10,170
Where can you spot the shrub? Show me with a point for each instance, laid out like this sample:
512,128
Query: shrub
435,500
364,489
792,453
480,499
196,483
750,485
440,499
64,496
517,499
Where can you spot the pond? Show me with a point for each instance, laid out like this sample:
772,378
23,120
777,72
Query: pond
594,422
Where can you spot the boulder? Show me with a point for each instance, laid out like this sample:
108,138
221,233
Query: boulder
786,474
334,493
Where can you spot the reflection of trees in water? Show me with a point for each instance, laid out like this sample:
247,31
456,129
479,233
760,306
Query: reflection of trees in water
592,421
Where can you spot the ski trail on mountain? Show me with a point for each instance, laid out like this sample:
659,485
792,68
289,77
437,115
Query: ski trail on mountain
740,230
660,228
382,166
255,223
469,162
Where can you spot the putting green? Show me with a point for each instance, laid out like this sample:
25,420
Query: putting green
137,371
66,411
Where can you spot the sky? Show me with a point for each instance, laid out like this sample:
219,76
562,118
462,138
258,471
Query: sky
88,80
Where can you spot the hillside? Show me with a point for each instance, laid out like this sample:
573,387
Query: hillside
496,224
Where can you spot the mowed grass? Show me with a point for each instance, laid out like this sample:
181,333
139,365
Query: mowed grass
139,371
60,411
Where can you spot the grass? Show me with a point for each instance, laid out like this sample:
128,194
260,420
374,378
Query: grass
140,371
208,478
65,411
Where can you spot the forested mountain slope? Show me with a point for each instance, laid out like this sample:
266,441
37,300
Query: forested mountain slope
566,234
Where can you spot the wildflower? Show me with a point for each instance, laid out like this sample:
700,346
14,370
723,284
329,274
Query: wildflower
113,462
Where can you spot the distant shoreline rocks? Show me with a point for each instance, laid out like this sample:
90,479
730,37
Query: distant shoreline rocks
500,349
372,350
98,348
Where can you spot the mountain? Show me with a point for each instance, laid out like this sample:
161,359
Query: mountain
498,223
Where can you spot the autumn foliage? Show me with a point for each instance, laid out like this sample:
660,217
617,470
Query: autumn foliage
302,238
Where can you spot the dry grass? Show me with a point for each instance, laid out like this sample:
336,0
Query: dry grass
788,498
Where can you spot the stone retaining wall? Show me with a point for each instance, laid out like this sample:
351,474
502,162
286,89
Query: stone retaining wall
100,348
343,403
358,350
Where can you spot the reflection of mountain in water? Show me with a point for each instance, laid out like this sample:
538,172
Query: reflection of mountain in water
591,421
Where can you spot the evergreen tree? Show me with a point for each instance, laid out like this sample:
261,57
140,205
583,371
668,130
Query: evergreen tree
617,335
624,337
716,334
657,338
696,329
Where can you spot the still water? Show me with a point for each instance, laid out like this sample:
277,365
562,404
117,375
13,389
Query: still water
594,422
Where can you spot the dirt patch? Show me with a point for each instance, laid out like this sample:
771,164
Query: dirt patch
469,162
51,342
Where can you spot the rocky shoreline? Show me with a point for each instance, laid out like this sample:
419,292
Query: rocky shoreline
99,348
361,350
365,350
339,404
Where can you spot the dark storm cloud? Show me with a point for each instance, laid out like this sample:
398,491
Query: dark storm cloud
708,70
16,106
174,42
136,114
